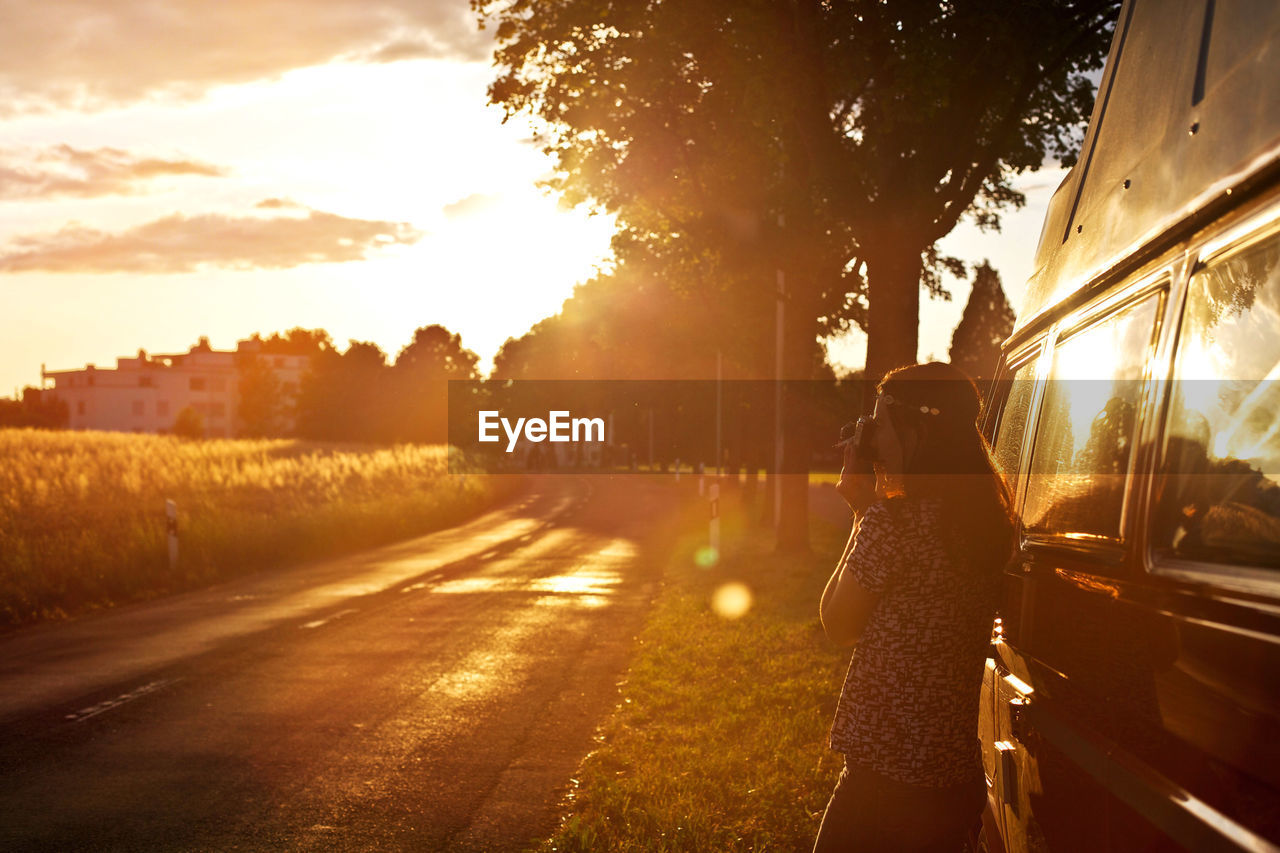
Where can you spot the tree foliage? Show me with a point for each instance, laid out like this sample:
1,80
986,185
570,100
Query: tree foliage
261,406
356,395
419,383
34,408
836,141
189,423
987,321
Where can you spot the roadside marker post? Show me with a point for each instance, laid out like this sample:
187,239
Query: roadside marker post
171,525
714,531
702,484
677,470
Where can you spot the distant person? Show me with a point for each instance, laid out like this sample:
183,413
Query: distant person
916,590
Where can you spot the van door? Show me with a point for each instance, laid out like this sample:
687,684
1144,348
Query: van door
1214,545
1069,656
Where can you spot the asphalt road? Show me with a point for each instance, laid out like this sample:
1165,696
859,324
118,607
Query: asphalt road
433,695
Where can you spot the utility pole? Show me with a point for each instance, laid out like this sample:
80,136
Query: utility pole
780,325
719,377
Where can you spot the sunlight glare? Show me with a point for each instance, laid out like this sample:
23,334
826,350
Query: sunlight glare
732,600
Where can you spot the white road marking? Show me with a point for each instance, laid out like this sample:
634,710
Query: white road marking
103,707
326,620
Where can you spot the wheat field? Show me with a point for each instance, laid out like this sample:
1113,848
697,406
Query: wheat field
82,514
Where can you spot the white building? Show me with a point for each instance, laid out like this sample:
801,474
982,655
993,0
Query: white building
146,393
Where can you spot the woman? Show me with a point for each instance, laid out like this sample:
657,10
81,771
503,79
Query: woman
916,590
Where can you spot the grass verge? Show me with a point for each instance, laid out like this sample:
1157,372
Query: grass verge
82,515
718,742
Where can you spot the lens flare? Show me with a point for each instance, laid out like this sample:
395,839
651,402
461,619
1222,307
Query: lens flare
732,600
706,557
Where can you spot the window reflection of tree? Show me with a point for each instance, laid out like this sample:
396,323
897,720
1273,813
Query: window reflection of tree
1214,505
1052,481
1096,385
1087,494
1014,421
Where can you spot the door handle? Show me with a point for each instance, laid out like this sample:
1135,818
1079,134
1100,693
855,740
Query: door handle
1020,728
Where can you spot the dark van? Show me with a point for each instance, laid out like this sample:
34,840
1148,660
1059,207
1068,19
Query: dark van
1132,700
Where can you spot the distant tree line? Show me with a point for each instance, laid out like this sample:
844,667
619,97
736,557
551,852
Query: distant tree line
356,394
628,325
33,408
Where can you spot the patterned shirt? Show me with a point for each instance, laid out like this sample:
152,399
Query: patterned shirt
909,707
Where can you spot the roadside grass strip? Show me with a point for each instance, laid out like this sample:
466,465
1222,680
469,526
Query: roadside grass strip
718,741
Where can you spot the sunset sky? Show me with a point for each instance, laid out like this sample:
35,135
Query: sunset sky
218,168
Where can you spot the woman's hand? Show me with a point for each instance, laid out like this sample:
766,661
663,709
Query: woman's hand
857,484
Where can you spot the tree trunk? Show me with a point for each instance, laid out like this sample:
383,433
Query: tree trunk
893,285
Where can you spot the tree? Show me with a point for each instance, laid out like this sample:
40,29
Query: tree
987,321
835,142
260,407
189,423
420,382
871,127
345,395
266,406
34,408
298,341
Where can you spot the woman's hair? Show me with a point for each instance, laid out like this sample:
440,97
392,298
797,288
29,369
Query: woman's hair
952,460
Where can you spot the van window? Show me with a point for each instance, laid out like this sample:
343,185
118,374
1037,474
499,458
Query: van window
1085,435
1013,421
1219,497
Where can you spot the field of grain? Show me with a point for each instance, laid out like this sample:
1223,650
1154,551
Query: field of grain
82,514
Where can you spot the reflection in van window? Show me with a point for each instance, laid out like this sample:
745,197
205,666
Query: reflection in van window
1013,421
1087,420
1219,500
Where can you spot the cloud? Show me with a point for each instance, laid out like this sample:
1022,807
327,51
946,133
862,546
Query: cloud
97,53
82,173
471,205
278,204
178,244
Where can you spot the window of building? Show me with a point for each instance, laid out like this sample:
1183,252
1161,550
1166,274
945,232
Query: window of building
139,407
197,383
289,388
218,410
1219,491
146,382
1084,439
280,362
162,408
80,407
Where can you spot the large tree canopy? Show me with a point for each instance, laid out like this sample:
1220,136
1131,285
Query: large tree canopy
835,142
869,127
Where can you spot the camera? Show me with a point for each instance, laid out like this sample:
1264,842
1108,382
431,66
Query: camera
864,440
861,434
